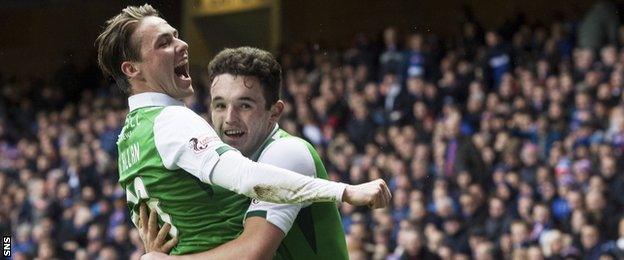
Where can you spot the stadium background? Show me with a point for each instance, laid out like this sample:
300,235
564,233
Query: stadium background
499,125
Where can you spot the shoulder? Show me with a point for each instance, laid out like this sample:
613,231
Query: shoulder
291,153
179,117
181,122
180,113
290,147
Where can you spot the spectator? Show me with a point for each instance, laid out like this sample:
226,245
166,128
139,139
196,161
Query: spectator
599,26
460,152
590,242
498,61
415,57
410,246
391,59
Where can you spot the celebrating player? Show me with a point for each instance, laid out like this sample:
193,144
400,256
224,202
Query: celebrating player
173,159
245,107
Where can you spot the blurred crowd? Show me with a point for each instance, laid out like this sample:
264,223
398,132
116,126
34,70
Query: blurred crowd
497,144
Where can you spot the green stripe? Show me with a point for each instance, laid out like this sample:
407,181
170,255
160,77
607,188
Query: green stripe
256,154
256,213
220,151
223,149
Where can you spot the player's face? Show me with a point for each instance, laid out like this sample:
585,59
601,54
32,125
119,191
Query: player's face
164,67
238,111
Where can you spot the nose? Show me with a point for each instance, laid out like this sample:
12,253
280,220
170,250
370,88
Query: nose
231,115
182,46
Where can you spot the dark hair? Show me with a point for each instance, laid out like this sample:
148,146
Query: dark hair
114,44
248,61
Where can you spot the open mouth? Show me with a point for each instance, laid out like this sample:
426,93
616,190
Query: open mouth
181,70
234,133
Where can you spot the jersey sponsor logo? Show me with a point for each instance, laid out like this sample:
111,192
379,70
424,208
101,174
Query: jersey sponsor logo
201,144
255,201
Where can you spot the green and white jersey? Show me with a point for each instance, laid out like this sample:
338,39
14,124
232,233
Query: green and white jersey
160,144
314,231
172,158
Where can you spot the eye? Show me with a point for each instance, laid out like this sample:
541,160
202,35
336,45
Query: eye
165,43
219,106
245,106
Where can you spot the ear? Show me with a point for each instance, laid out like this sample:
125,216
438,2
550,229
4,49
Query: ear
276,111
129,68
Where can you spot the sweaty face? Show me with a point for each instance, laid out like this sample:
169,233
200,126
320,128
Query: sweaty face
238,111
164,66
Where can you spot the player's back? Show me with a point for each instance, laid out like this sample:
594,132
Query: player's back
202,216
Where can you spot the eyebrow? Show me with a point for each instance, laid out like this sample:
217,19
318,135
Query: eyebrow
249,99
174,32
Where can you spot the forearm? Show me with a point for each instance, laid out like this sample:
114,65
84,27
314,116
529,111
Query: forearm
269,183
235,249
259,240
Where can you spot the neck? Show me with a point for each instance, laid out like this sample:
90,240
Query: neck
139,86
258,149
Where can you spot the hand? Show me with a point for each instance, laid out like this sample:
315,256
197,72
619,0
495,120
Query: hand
154,256
375,194
154,239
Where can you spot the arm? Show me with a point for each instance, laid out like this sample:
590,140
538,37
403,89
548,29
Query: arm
273,184
185,140
300,160
266,223
270,183
259,240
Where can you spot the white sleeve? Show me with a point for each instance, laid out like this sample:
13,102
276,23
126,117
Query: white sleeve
185,140
299,160
267,182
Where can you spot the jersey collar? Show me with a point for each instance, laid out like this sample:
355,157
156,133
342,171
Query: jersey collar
152,99
256,154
